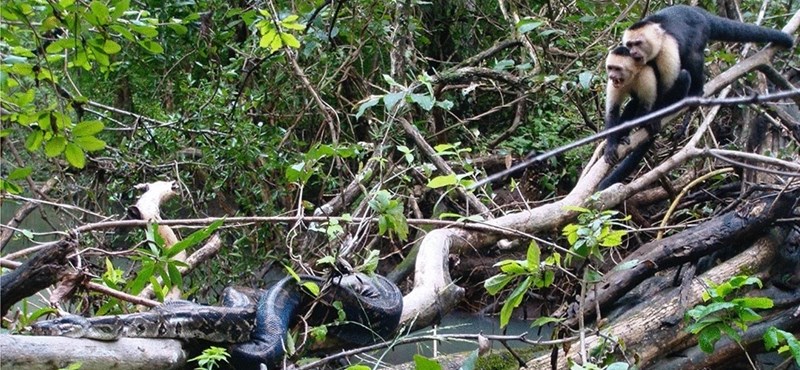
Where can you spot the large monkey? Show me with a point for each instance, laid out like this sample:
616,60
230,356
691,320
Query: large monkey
675,37
673,40
626,78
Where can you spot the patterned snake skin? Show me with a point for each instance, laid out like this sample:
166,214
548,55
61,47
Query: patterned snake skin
372,305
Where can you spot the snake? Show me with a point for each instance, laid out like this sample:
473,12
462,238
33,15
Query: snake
255,332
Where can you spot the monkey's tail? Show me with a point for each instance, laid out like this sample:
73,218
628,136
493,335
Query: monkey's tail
723,29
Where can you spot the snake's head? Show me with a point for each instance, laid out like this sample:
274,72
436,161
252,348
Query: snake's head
67,326
359,283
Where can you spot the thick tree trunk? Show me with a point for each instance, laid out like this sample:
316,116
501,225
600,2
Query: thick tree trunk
41,271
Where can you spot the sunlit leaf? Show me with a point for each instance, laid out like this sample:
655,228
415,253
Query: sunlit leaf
55,146
290,41
19,173
75,155
151,46
89,143
111,47
100,11
496,283
34,140
424,363
87,128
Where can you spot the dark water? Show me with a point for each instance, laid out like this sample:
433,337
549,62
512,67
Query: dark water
461,323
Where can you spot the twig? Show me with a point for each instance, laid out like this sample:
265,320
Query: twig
672,109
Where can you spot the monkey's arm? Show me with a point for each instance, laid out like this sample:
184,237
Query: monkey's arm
629,164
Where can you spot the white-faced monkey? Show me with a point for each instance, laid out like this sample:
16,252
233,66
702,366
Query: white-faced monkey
640,82
674,38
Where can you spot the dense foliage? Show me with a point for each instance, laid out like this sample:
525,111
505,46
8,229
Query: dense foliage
275,108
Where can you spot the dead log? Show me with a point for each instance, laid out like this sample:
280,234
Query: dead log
23,352
726,350
41,271
650,327
734,228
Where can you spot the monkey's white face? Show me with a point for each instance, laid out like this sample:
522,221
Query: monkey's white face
617,75
619,71
644,43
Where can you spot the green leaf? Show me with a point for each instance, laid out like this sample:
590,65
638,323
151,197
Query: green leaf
545,320
496,283
707,338
27,233
61,44
178,28
34,140
19,173
514,299
157,288
75,156
527,25
319,333
771,340
90,143
754,302
151,46
703,311
119,8
293,26
290,41
327,260
748,315
100,11
111,47
124,32
193,239
312,287
10,187
146,31
593,276
142,277
424,363
442,181
391,99
41,312
533,256
55,146
423,100
175,277
271,40
794,346
371,102
585,79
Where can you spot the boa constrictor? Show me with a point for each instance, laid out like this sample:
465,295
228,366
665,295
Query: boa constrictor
372,306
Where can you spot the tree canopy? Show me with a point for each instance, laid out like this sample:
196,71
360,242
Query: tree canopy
308,135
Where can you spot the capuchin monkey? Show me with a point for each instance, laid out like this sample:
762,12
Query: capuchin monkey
640,82
673,41
675,38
